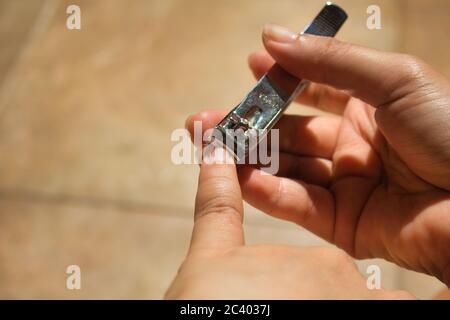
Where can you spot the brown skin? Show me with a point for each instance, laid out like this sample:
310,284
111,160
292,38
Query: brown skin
220,266
375,180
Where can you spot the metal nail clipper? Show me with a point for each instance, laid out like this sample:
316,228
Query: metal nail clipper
263,106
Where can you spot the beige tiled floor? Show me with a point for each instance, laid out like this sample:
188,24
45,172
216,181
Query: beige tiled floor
10,13
85,123
123,253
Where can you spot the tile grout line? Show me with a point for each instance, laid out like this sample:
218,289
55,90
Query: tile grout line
11,80
68,200
117,205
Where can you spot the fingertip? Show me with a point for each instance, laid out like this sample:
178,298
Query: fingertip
260,62
208,118
257,57
213,155
303,57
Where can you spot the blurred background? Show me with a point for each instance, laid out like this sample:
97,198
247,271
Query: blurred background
85,121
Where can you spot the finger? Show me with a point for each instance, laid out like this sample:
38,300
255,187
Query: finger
260,62
311,170
315,95
373,76
299,135
313,136
307,205
218,205
208,119
314,170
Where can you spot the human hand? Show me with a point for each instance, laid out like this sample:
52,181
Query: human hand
375,180
220,266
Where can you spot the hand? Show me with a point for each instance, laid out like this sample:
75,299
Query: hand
220,266
376,179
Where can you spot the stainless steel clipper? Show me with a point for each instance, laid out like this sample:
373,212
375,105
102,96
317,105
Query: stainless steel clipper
265,103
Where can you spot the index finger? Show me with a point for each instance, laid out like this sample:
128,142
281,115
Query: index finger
218,205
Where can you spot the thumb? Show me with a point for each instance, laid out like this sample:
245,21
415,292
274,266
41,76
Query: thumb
373,76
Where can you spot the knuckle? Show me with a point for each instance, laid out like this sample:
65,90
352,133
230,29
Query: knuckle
222,205
331,48
412,68
335,47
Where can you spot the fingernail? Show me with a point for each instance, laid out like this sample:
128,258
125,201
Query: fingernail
278,33
216,155
188,121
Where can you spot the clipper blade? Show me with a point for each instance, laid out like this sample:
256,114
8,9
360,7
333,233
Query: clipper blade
248,123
